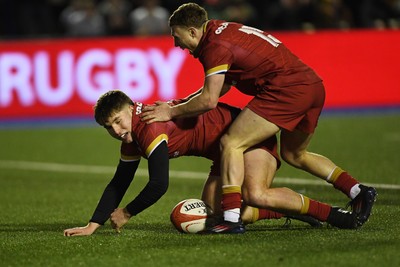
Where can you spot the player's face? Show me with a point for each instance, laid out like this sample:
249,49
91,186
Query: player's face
119,125
185,38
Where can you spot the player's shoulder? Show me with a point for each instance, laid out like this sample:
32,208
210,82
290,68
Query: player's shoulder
218,27
145,133
138,126
141,131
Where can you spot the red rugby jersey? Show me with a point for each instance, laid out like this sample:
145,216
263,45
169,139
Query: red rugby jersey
250,58
197,136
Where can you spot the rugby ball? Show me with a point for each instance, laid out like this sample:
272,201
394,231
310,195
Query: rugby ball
189,216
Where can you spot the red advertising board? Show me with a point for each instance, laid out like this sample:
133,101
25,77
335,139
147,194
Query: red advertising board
64,77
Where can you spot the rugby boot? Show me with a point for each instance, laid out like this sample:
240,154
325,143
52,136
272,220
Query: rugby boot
343,219
363,202
225,227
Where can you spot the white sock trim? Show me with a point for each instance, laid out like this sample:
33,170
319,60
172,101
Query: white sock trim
328,179
232,215
228,185
354,191
302,200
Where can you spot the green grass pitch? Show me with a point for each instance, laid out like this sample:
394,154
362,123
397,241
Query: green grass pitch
38,201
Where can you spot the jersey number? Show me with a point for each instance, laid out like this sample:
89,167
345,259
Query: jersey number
269,38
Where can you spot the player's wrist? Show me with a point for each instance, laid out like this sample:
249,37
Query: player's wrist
127,214
93,225
173,112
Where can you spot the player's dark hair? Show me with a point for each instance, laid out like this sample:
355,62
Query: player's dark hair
108,104
189,15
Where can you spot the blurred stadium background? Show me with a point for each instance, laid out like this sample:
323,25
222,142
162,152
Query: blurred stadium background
44,18
58,56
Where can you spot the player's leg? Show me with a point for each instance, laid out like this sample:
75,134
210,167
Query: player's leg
251,214
211,195
247,130
257,177
294,151
260,168
253,159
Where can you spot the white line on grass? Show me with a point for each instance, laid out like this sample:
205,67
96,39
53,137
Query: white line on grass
97,169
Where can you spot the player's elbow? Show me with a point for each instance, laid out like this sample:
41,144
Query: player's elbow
213,104
208,102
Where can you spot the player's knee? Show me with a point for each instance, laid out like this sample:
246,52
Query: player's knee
229,143
225,142
252,198
292,157
286,156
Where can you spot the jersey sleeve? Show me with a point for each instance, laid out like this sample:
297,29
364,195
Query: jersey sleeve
158,181
114,192
216,59
151,136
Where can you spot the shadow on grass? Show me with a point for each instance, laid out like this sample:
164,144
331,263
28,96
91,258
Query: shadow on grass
104,230
150,227
277,228
34,227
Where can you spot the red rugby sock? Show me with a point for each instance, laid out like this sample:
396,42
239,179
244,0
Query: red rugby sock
231,202
344,183
269,214
315,209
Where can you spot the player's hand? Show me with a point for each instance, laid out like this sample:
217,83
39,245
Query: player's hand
161,111
82,231
119,218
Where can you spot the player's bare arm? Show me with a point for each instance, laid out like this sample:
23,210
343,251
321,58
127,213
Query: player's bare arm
207,99
183,100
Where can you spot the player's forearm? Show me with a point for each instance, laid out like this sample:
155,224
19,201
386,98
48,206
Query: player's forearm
114,191
178,101
204,99
109,200
198,104
147,197
157,186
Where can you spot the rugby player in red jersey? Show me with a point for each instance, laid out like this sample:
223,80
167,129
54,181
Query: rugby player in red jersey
196,136
288,98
